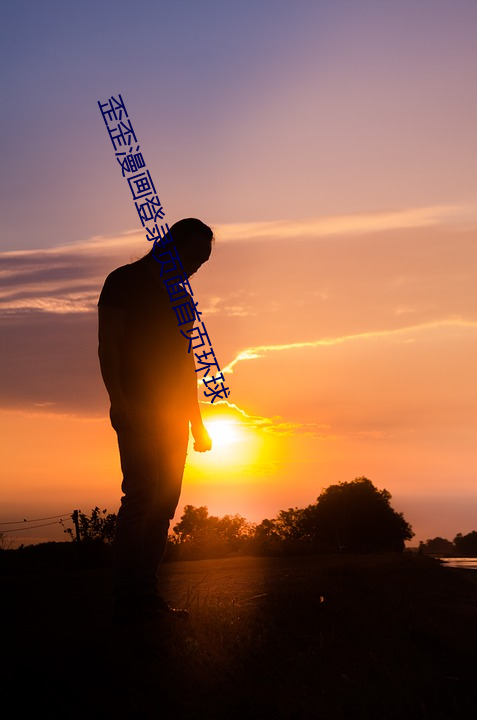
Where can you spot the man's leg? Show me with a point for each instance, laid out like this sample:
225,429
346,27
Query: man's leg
152,461
139,466
171,462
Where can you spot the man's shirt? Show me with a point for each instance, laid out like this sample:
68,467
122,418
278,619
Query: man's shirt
156,368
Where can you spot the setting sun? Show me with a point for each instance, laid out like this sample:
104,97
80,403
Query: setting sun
223,432
236,447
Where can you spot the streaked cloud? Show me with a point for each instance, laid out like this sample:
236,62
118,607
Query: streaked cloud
319,291
237,304
68,303
258,352
67,279
339,225
64,279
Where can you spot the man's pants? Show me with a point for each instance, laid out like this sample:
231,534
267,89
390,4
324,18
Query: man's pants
153,453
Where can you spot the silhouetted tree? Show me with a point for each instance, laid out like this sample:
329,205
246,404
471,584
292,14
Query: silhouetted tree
289,532
199,534
193,521
466,545
286,526
437,546
235,531
290,525
5,541
357,517
99,526
267,536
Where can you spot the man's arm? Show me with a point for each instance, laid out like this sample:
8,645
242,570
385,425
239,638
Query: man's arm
202,439
111,329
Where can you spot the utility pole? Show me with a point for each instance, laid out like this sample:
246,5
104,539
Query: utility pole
76,524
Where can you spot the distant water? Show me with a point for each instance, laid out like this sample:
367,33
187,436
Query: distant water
467,563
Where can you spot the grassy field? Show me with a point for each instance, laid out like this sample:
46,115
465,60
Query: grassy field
327,637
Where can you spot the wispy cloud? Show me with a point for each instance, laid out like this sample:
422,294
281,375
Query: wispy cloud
259,351
67,279
339,225
231,306
329,292
64,279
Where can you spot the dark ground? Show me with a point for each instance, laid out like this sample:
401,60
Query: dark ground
326,637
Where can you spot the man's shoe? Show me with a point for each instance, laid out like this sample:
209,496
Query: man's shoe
159,605
146,608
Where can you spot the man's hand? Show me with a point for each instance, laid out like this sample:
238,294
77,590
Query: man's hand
203,441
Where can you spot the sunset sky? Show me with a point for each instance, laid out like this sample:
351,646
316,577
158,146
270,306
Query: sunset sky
332,147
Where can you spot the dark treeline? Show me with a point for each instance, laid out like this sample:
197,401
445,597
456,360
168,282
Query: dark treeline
351,516
461,546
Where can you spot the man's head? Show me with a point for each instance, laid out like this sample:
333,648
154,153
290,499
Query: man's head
193,240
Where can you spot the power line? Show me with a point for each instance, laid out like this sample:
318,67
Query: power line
30,527
21,522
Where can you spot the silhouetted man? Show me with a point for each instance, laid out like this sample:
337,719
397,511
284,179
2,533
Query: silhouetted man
151,380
